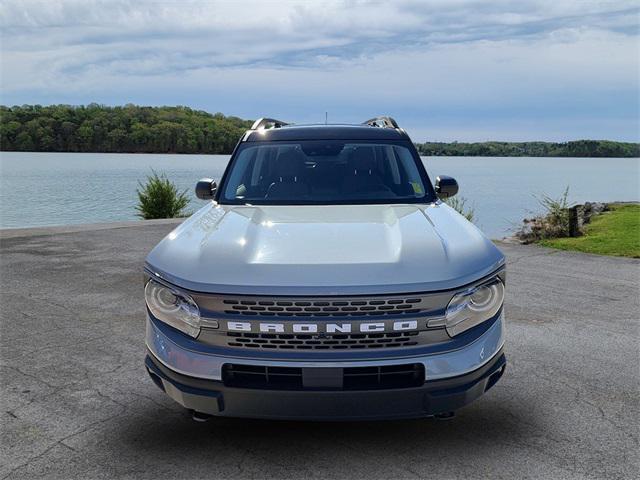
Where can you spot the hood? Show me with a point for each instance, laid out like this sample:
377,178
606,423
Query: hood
324,250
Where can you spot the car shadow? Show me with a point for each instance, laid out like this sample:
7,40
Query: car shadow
488,421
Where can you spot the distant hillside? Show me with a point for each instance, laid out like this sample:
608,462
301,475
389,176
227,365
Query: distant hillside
135,129
578,148
96,128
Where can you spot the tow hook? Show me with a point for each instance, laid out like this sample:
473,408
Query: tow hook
445,416
199,416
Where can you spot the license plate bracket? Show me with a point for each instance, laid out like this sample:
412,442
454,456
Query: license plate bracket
322,378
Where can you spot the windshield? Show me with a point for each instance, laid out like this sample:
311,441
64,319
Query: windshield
325,172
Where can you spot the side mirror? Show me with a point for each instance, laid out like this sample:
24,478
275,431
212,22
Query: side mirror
446,186
206,189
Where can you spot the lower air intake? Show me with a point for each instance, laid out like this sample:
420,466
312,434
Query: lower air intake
295,378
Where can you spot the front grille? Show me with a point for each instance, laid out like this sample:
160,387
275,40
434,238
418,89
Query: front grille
326,342
295,378
322,307
337,321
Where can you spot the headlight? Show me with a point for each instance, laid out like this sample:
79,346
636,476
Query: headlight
474,306
173,308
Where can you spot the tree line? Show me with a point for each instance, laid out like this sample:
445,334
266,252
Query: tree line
136,129
578,148
127,129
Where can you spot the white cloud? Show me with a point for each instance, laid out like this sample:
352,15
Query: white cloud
428,60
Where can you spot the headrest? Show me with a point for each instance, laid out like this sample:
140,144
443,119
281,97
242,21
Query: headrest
289,163
362,159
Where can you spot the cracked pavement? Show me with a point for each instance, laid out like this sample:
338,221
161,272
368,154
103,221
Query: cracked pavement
77,403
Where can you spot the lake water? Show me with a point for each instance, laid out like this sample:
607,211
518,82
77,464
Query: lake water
38,189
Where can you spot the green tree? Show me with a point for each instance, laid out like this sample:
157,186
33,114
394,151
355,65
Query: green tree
132,128
579,148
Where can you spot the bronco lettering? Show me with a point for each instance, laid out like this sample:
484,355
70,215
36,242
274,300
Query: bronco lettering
364,327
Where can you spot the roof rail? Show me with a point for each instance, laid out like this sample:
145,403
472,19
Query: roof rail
267,123
383,122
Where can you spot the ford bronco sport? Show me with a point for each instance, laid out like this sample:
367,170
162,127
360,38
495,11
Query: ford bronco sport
325,279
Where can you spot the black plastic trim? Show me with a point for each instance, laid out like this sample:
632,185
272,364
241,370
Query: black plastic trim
432,398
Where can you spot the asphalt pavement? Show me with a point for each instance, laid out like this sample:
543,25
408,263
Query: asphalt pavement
76,401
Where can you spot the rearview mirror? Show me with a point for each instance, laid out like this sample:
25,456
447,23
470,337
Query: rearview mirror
206,189
446,187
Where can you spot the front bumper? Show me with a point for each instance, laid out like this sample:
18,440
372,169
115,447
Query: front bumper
453,378
432,398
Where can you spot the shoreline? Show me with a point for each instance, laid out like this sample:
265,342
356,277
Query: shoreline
19,232
229,154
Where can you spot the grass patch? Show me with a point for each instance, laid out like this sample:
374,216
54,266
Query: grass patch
616,232
459,204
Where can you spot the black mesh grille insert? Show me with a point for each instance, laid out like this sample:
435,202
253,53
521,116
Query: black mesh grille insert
323,307
352,378
328,342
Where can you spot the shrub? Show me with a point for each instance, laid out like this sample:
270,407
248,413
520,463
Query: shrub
557,214
160,198
459,204
553,223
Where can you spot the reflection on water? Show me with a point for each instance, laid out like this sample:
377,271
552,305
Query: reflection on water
66,188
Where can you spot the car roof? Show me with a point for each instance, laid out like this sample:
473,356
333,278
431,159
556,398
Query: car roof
325,132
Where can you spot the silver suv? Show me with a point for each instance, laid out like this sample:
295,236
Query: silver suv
325,279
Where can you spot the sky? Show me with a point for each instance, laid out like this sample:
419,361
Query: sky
445,69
